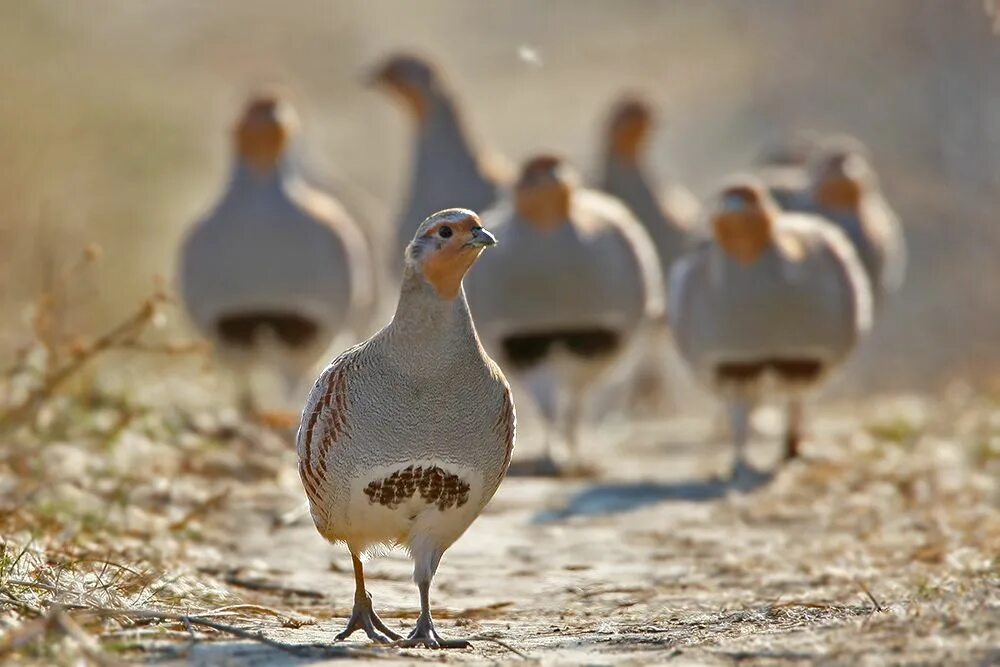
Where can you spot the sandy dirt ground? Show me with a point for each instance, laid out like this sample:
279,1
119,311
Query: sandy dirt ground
882,547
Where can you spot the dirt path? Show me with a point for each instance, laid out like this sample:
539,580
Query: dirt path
879,549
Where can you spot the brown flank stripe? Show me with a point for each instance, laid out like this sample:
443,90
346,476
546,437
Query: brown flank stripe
505,426
310,481
307,454
332,408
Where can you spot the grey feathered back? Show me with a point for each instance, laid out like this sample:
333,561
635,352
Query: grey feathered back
274,243
808,297
597,269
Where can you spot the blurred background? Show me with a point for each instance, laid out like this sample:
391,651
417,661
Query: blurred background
115,121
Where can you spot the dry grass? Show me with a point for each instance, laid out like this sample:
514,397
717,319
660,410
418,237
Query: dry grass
102,499
136,529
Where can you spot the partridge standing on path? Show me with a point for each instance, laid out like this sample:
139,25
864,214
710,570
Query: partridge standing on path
668,220
845,191
785,166
447,165
779,296
405,437
562,299
278,269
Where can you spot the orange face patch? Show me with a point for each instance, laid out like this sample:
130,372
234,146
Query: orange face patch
445,266
744,236
543,191
839,192
628,133
261,137
413,97
546,206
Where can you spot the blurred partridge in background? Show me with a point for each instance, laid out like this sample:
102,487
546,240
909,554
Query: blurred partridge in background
772,300
669,215
447,168
563,298
277,270
846,192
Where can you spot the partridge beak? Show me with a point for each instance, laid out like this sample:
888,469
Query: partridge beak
482,238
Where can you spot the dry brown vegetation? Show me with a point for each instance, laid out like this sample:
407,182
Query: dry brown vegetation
136,531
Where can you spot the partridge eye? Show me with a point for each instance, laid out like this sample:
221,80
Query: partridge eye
445,232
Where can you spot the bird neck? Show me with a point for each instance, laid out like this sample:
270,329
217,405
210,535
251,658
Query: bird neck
627,181
427,331
443,145
248,175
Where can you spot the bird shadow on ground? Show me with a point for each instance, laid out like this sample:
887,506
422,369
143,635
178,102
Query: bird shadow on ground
618,497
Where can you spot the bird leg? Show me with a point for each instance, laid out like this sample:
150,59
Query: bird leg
245,397
363,617
424,634
793,429
572,466
561,458
743,476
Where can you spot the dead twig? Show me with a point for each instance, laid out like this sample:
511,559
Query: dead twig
287,620
502,644
878,606
90,647
127,330
57,620
256,636
267,587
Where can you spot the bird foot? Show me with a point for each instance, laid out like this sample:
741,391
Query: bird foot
745,478
364,618
426,636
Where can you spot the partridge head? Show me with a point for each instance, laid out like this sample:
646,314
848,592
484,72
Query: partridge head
842,179
743,220
629,128
263,132
543,192
412,79
445,246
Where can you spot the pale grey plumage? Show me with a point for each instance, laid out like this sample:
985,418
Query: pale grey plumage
788,184
772,296
834,179
588,269
274,244
816,306
845,191
599,269
668,215
447,167
421,395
